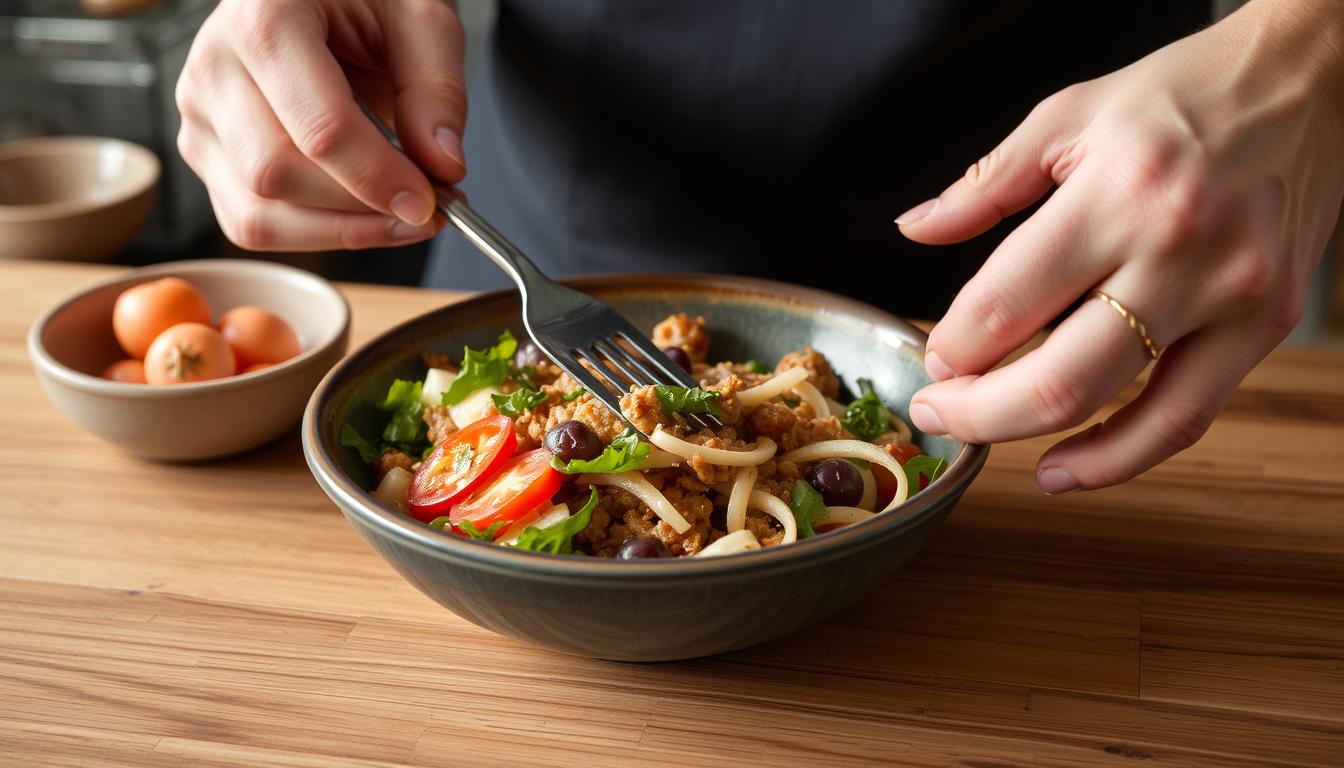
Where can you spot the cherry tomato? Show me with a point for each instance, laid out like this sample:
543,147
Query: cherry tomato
188,352
258,336
253,368
129,371
524,483
458,465
827,528
147,310
886,484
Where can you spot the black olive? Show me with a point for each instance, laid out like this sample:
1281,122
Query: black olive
528,354
571,440
839,482
640,547
678,356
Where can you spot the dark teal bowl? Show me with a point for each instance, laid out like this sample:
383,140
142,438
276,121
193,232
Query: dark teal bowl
655,610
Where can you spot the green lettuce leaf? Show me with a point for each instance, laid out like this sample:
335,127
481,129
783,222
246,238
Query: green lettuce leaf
482,368
867,417
514,403
807,506
574,394
405,428
755,366
469,528
687,399
558,539
350,438
625,453
929,468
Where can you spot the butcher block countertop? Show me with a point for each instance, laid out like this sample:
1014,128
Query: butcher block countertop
225,614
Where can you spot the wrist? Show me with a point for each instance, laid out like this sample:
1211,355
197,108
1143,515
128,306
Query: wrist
1304,40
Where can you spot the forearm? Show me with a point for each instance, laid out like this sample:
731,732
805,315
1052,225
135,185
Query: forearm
1302,42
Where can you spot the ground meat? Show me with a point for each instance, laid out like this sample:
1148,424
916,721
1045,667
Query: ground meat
439,360
772,419
818,368
680,330
730,411
764,528
776,477
712,474
392,458
531,426
643,408
709,375
440,423
812,430
696,508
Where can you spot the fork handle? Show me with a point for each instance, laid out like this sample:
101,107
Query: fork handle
470,223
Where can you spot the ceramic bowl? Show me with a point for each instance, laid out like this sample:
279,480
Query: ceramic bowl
72,342
647,610
74,197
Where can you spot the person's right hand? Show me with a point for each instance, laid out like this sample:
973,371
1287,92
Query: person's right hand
270,124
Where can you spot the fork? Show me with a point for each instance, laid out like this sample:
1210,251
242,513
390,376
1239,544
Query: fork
568,327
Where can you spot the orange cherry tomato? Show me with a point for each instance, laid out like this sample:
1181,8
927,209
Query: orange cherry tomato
258,336
147,310
188,352
524,483
129,371
458,465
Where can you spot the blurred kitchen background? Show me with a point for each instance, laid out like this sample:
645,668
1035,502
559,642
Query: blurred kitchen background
108,68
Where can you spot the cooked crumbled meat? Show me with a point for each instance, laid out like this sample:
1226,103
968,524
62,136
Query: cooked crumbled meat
709,375
729,409
812,430
643,408
764,527
531,426
680,330
818,370
772,419
711,474
439,360
440,423
776,477
392,458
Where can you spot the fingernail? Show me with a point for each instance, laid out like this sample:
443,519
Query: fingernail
451,144
411,208
927,419
1055,481
918,212
937,368
400,230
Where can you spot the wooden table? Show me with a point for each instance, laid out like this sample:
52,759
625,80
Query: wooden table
225,614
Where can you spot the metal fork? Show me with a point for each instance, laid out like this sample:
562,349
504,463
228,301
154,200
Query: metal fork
569,327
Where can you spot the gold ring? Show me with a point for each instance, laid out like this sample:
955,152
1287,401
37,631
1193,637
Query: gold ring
1130,318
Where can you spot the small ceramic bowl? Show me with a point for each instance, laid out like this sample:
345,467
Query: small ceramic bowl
72,342
648,610
74,197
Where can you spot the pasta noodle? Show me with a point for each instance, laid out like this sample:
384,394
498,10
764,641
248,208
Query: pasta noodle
855,449
813,397
869,498
772,506
642,489
743,484
773,387
660,459
687,450
738,541
843,515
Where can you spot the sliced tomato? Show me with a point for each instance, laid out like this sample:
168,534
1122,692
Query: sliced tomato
522,484
460,464
886,484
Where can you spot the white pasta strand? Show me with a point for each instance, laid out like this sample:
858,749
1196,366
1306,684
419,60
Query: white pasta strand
764,450
869,498
660,459
813,397
743,484
772,506
842,515
771,387
854,449
634,483
739,541
837,409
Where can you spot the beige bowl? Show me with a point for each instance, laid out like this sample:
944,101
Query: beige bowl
74,197
71,343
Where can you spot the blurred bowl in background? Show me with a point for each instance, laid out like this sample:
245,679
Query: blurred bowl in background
74,198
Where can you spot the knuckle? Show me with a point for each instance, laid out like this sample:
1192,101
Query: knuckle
1286,313
351,236
1058,403
266,174
981,173
995,315
322,135
1180,426
248,228
1250,277
261,24
446,90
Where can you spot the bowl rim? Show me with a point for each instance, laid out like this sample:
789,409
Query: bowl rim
85,382
359,502
47,146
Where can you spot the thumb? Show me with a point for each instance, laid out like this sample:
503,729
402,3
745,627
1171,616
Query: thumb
1012,176
424,43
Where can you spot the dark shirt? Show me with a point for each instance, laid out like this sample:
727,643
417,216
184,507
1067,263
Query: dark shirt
777,138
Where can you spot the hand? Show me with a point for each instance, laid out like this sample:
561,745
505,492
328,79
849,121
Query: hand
270,124
1198,187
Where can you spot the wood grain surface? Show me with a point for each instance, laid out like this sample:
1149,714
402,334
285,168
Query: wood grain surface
224,614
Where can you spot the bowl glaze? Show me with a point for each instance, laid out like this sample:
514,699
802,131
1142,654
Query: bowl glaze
652,610
72,343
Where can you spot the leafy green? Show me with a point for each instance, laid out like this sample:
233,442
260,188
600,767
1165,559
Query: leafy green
405,428
807,506
930,467
462,459
574,395
440,522
792,402
469,528
350,438
482,368
625,453
867,417
558,539
518,401
687,399
525,376
755,366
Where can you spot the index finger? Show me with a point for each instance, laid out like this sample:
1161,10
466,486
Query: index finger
283,45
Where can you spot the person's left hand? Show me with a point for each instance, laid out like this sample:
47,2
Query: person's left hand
1198,187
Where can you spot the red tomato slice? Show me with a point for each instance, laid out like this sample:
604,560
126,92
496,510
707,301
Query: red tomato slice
458,465
524,483
886,484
